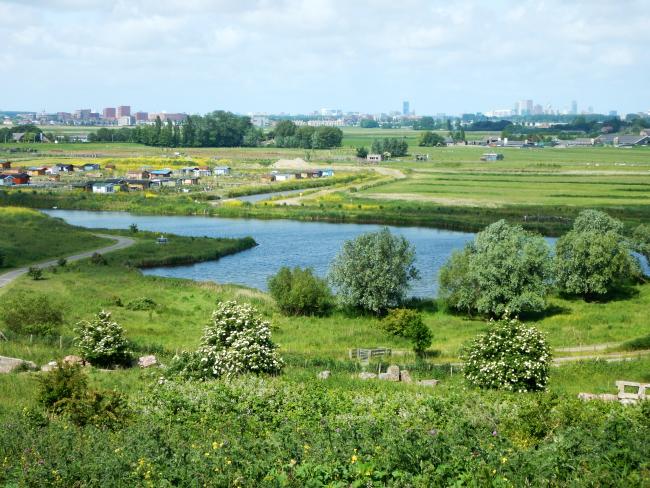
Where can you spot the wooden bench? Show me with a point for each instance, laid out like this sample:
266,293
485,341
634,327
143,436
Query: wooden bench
366,355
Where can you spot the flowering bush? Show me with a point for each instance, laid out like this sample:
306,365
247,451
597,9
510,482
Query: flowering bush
237,341
511,356
101,341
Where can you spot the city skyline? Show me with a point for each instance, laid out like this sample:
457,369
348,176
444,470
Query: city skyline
293,56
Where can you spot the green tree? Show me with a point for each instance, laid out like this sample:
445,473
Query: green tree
362,152
640,239
327,137
368,124
430,139
373,272
299,292
285,128
593,259
506,270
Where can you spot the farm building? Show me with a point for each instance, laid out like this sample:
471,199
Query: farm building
5,164
188,170
91,167
14,179
623,140
203,171
137,184
221,171
268,178
137,174
102,187
327,172
492,157
36,170
62,168
161,173
284,176
374,158
190,180
164,182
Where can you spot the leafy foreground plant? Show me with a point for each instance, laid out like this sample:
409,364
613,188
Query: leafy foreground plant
408,324
279,432
101,341
299,292
237,341
511,356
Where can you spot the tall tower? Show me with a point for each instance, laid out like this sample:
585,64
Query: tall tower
574,107
406,107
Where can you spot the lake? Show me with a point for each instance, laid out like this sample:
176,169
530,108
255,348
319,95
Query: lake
281,243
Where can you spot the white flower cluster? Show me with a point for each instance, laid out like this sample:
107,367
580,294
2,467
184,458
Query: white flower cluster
102,340
511,356
237,341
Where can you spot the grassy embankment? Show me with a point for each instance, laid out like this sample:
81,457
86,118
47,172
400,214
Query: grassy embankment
183,307
28,236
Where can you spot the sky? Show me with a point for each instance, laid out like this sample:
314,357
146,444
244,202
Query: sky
296,56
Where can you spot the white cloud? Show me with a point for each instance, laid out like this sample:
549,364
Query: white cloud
457,56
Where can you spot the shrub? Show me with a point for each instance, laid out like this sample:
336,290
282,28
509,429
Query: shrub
373,271
64,381
101,341
505,269
362,152
142,303
30,313
300,292
638,344
133,228
237,341
97,258
408,324
35,273
3,257
593,259
64,391
61,262
510,356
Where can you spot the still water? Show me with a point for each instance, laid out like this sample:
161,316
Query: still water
281,243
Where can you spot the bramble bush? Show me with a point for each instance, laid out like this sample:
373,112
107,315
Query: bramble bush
276,431
510,356
237,341
299,292
101,341
408,323
30,313
35,273
64,391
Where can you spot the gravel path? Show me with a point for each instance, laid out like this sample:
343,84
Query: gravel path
122,242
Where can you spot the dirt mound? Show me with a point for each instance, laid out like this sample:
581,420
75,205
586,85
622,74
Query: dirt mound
297,163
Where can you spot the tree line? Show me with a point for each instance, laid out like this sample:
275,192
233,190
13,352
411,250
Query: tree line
221,129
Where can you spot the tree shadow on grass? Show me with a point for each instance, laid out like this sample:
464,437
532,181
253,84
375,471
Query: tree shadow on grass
550,311
621,293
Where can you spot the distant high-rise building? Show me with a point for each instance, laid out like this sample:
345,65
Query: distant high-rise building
524,107
141,116
613,113
108,113
123,111
406,107
574,107
82,113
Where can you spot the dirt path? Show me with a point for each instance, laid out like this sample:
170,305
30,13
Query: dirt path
389,173
122,242
612,357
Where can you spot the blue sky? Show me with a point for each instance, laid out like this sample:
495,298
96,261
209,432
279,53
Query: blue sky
302,55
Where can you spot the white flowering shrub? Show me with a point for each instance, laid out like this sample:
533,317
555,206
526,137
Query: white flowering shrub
236,341
510,356
101,341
